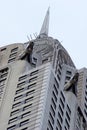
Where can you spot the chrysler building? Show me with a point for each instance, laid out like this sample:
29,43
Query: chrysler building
40,87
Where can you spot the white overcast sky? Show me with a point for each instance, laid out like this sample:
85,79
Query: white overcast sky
68,23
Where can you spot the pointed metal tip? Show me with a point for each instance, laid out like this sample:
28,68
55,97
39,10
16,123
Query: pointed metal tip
45,25
49,8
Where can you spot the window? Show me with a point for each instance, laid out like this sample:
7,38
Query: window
15,112
35,59
11,60
26,114
33,79
4,70
60,66
32,85
56,91
11,127
86,92
69,109
27,107
58,77
33,64
61,102
19,90
59,71
13,55
86,99
62,95
68,117
3,75
34,73
28,99
67,123
3,78
86,105
12,120
60,109
25,128
52,110
14,49
56,83
24,122
65,128
85,112
21,84
3,49
44,60
68,72
50,125
60,118
59,125
30,92
68,78
86,86
53,102
51,118
16,105
1,90
54,96
18,97
2,82
23,77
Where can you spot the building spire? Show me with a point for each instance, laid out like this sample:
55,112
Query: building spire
45,26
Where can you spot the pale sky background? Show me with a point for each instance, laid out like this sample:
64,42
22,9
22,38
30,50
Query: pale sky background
68,23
